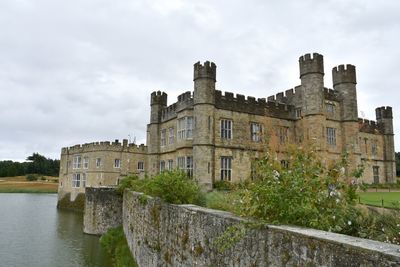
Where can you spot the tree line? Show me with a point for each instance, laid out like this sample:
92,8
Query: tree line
35,164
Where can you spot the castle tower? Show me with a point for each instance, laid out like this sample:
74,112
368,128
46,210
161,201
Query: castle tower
312,87
384,118
157,103
312,82
344,82
203,138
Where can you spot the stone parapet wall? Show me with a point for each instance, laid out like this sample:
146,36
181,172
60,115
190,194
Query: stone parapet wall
251,105
103,210
161,234
105,146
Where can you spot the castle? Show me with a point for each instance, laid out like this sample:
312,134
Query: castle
216,136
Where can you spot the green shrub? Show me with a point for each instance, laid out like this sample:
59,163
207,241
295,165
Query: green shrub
223,185
133,183
171,186
115,244
305,193
32,177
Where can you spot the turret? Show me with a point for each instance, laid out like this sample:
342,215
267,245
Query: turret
158,102
204,78
344,81
203,136
384,118
312,82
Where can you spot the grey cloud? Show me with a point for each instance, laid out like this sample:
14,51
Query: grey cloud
82,71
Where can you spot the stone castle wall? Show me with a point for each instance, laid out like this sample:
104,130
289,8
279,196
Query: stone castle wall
103,210
161,234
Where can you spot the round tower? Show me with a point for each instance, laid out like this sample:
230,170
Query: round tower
157,103
384,118
203,138
344,81
312,82
204,78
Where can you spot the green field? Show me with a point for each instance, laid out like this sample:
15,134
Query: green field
390,199
19,184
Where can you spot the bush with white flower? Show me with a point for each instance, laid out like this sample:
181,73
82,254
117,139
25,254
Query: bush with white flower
303,192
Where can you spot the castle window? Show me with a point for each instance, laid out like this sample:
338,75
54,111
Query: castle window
76,180
98,162
181,162
85,162
189,166
185,128
284,164
171,134
170,164
77,162
226,168
255,130
162,165
117,163
186,164
283,135
375,171
331,136
140,166
83,180
374,148
162,139
298,113
330,108
226,129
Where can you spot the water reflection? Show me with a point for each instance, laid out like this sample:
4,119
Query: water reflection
34,233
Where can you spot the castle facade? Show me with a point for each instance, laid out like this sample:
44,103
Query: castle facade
216,136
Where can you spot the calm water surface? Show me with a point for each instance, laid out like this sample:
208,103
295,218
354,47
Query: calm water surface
34,233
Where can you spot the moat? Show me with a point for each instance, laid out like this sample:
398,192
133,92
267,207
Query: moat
34,233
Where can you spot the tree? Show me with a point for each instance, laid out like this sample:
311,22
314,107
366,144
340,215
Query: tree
35,164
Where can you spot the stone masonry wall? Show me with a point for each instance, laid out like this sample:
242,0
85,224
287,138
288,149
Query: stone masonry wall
161,234
103,210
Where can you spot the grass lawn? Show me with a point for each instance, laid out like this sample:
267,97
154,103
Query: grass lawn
390,199
19,184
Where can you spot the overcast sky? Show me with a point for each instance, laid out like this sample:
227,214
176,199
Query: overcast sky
80,71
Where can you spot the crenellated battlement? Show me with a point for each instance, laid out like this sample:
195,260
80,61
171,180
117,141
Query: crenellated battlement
159,98
105,146
287,96
311,64
207,70
384,113
344,74
252,105
368,126
331,94
185,101
185,96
